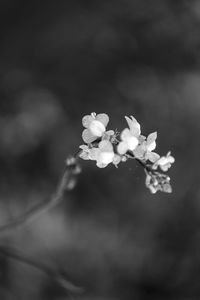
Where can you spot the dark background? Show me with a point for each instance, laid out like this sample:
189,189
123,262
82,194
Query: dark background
60,60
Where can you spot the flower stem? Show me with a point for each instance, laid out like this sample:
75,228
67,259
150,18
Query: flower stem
67,182
143,164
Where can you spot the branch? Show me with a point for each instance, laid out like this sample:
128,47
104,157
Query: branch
143,164
67,182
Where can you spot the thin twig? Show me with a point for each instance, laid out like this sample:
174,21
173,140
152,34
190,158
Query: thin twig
67,182
143,164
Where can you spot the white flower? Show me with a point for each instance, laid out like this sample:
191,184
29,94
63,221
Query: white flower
144,150
129,137
95,126
164,162
103,155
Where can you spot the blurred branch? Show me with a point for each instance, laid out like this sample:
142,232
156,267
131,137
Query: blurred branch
67,182
59,277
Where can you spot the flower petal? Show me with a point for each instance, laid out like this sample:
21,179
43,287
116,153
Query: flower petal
116,159
152,156
151,144
133,125
94,153
97,128
105,157
165,167
106,146
167,188
88,137
171,159
151,137
110,132
85,152
122,148
108,135
84,147
101,165
84,155
86,120
150,184
139,152
103,118
162,161
126,134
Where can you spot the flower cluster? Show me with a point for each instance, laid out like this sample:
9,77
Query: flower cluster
109,147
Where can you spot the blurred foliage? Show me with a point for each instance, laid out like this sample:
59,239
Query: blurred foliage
59,61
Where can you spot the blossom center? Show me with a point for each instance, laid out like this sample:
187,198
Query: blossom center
97,128
132,142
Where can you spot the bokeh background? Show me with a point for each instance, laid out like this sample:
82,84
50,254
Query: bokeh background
60,60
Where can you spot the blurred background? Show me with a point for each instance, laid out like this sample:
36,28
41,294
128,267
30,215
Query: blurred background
59,61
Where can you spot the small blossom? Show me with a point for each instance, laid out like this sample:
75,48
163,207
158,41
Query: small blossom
144,150
103,154
129,136
95,126
164,162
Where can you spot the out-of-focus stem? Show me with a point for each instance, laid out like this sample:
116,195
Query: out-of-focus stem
67,182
